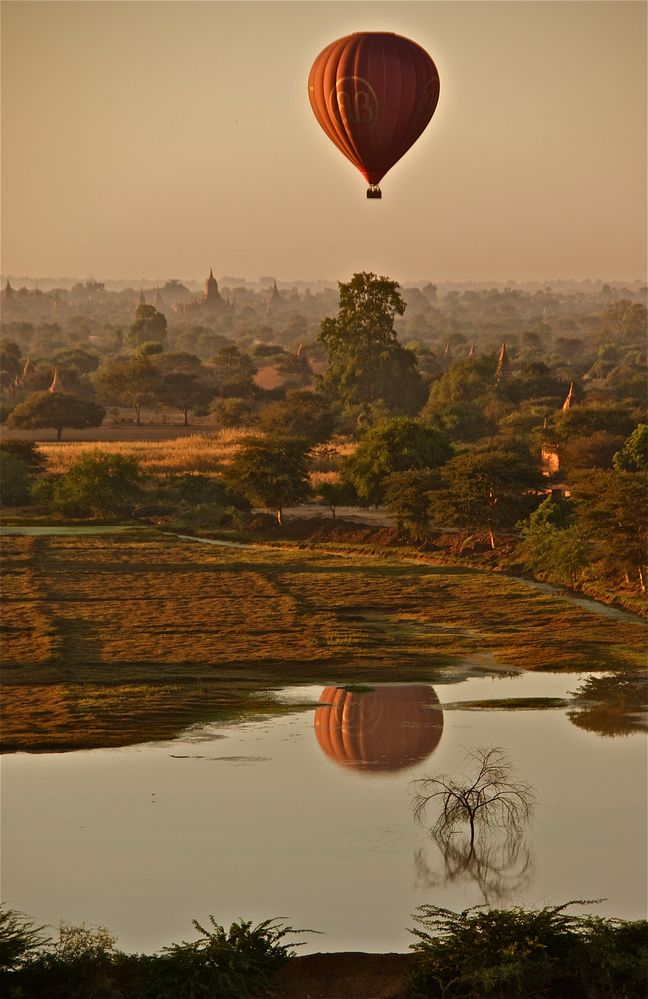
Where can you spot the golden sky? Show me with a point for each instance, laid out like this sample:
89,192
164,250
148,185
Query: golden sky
156,139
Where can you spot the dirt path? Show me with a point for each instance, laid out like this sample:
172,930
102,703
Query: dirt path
345,976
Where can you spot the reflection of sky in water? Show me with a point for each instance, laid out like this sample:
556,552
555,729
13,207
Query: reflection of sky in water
254,820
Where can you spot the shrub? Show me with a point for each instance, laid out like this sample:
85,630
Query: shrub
525,952
81,965
15,481
222,964
100,484
19,939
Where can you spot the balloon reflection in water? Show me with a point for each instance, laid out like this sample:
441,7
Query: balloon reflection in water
380,731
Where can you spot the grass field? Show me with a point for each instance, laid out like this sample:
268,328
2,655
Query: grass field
207,453
192,453
114,639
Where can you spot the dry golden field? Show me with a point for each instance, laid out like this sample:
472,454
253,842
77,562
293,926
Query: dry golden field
206,453
194,453
112,639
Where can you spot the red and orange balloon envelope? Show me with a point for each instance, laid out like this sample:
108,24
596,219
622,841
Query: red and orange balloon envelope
381,731
373,93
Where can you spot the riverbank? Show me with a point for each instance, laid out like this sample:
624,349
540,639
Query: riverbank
116,638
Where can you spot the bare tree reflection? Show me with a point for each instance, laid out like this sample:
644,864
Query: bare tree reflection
480,826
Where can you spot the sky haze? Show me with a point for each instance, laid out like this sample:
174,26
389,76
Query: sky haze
154,140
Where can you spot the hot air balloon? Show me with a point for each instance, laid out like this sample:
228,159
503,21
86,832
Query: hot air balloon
373,93
381,731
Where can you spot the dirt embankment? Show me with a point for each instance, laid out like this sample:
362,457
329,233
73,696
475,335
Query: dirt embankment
345,976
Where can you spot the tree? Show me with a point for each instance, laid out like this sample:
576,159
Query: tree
271,472
581,421
57,410
551,546
595,450
15,481
182,390
407,496
300,414
100,484
467,381
633,456
492,798
395,444
26,451
481,822
128,382
366,363
487,489
149,324
337,494
610,507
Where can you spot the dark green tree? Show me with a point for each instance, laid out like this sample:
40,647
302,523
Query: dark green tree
551,546
57,410
611,507
580,421
131,381
487,489
271,472
100,484
395,444
301,414
185,390
15,481
407,497
633,456
366,363
149,324
337,494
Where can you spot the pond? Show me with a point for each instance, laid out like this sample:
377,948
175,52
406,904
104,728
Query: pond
308,815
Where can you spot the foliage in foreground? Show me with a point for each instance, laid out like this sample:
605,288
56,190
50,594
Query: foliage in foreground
547,952
85,964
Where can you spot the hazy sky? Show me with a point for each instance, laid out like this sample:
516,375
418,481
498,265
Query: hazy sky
157,139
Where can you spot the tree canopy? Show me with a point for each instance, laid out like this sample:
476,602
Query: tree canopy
57,410
395,444
366,363
271,472
100,484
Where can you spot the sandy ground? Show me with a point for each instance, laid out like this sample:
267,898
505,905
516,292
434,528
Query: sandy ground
345,976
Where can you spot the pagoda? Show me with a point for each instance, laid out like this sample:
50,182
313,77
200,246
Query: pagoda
57,385
567,404
503,372
211,294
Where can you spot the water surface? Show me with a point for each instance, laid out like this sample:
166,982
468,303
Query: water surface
264,818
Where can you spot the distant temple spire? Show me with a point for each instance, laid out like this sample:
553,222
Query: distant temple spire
28,369
275,297
8,292
503,365
570,398
141,300
211,293
157,298
57,385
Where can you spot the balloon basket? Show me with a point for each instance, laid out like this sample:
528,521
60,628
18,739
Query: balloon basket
373,191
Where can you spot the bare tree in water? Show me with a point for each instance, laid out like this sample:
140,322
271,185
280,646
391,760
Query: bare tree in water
480,825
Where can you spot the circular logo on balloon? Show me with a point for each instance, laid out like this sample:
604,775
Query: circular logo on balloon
357,103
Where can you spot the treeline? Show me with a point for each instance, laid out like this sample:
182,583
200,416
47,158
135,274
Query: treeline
453,449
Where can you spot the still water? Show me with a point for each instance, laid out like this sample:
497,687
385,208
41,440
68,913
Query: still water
308,815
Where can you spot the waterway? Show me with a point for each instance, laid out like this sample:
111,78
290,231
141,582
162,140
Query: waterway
308,815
